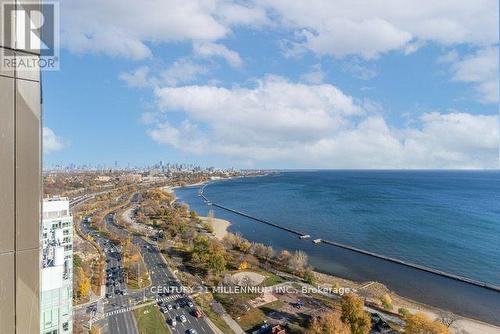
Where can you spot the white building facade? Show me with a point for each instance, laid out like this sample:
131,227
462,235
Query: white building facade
56,310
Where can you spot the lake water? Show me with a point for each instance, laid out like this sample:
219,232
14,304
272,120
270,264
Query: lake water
447,220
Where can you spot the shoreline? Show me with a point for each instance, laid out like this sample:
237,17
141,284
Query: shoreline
357,250
219,226
471,325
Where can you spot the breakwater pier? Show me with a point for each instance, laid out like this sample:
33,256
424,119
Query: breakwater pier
304,235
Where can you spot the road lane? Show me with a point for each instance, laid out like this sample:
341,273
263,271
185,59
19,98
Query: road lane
116,318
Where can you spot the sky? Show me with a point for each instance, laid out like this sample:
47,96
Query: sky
367,84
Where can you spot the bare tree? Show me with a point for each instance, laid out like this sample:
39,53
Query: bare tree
298,261
211,215
447,318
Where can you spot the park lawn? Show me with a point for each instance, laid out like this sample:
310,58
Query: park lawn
132,282
271,279
150,320
272,307
253,318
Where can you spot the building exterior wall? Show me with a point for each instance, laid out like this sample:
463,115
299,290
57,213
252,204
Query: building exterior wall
20,184
57,273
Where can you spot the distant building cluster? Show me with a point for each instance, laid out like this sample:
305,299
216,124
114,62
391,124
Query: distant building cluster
158,172
159,167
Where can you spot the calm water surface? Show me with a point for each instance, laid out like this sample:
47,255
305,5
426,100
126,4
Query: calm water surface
444,220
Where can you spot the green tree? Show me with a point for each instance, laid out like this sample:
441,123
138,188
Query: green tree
309,276
386,301
77,261
209,254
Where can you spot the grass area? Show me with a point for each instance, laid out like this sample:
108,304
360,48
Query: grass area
251,319
132,280
327,301
271,307
150,320
271,279
133,284
256,316
203,301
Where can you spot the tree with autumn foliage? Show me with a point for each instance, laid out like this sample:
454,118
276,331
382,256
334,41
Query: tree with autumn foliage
354,315
328,323
420,323
82,283
209,254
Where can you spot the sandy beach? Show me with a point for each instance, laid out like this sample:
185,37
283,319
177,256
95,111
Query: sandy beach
219,226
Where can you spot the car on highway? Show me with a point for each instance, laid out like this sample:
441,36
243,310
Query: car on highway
191,331
169,307
173,322
177,306
190,303
197,313
182,318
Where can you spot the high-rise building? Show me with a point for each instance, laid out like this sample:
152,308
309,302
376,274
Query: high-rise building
57,267
20,183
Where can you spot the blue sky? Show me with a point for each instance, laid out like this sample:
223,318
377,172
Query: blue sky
271,84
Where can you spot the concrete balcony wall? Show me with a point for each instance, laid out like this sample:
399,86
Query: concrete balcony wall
20,198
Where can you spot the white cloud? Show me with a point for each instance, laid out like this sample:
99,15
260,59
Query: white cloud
137,78
186,137
342,37
370,28
315,75
234,13
127,28
339,28
272,109
481,70
182,71
360,71
449,57
207,49
51,142
277,121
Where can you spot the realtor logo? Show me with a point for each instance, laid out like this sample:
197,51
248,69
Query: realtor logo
30,35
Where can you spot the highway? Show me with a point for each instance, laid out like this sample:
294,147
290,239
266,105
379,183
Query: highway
114,314
119,322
